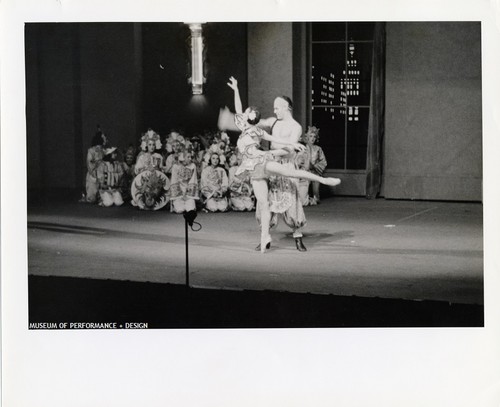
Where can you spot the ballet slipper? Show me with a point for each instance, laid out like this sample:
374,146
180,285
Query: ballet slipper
331,181
257,248
265,243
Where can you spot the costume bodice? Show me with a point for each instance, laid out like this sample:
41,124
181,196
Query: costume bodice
95,155
213,176
251,136
148,161
184,172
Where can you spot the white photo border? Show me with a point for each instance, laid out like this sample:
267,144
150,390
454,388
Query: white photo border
292,367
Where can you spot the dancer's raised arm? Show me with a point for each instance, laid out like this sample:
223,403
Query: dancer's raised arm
266,123
233,84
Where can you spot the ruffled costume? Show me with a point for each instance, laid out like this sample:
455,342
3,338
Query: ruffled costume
254,160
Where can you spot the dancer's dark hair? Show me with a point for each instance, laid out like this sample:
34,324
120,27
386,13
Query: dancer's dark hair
288,100
257,115
97,140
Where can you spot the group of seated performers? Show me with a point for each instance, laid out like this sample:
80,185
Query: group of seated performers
185,173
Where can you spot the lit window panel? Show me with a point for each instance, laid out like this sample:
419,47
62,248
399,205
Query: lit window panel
341,65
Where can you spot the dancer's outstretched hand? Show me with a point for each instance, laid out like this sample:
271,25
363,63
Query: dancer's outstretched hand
299,147
233,84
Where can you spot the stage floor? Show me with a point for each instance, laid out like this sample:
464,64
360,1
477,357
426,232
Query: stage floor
415,250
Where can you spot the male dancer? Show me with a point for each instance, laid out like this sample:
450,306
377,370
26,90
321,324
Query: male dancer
285,127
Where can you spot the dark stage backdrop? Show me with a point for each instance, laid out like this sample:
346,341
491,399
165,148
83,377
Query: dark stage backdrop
127,77
168,102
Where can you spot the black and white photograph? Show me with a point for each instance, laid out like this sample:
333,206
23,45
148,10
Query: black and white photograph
228,194
156,195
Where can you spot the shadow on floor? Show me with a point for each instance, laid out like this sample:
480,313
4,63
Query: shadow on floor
60,299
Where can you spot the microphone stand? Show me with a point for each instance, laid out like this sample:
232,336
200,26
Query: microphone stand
189,218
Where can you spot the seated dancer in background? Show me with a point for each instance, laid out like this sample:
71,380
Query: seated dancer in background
149,158
95,154
176,147
302,163
196,153
240,188
109,176
260,164
184,184
150,187
317,160
214,184
129,173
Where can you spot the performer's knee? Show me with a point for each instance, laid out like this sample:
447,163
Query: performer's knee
190,205
177,206
117,198
211,205
222,205
106,198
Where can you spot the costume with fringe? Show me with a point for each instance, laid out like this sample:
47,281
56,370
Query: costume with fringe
214,184
109,176
240,192
183,188
95,155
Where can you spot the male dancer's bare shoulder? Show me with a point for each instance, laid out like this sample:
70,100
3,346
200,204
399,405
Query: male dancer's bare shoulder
267,123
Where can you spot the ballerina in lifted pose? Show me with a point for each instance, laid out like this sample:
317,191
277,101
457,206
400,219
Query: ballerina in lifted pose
261,164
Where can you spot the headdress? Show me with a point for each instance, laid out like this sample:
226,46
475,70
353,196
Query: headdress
313,130
150,135
130,151
98,139
109,151
224,137
171,138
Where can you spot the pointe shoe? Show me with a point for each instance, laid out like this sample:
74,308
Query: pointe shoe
257,248
265,243
331,181
300,245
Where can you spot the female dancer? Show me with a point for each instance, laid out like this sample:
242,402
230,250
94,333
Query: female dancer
260,164
95,155
240,190
184,184
214,184
149,158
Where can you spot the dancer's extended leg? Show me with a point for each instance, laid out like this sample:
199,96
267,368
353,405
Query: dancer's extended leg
274,168
261,191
